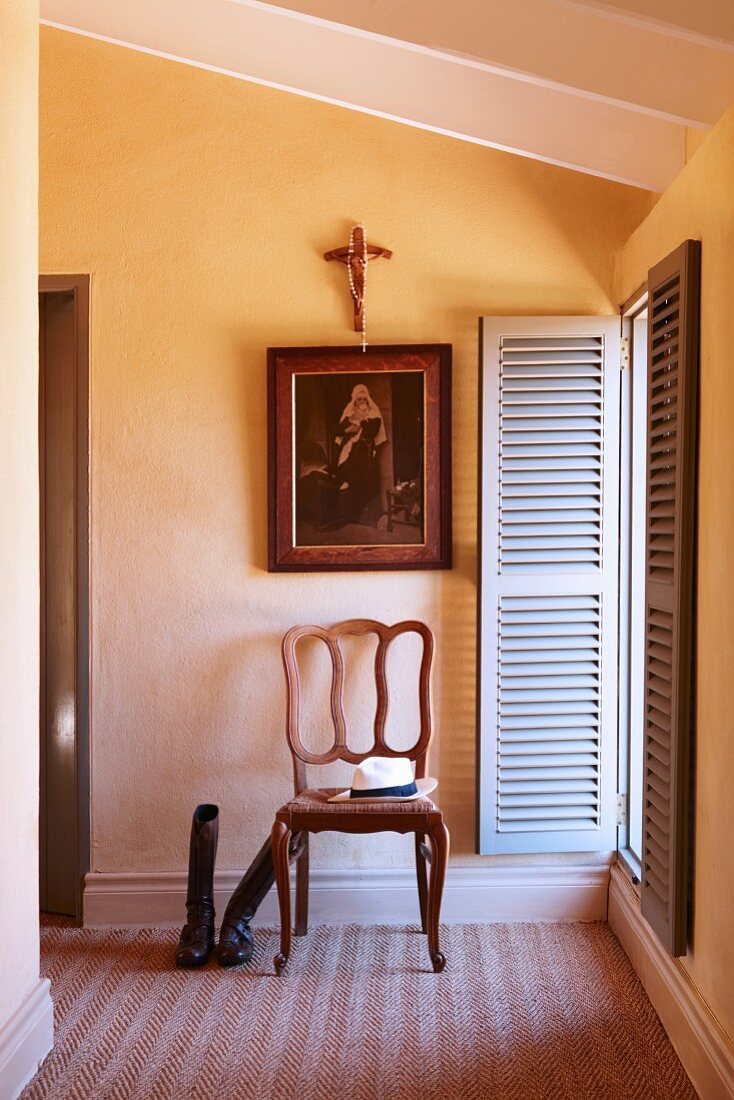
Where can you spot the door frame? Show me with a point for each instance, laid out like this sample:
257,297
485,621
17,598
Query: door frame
78,286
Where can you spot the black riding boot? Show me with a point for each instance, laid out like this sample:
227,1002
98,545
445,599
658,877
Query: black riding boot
235,935
196,942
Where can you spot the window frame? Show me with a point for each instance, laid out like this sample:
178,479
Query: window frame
630,742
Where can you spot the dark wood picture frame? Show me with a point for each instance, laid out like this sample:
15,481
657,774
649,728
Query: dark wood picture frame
403,521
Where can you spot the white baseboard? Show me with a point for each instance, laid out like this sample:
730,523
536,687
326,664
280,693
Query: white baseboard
26,1039
703,1048
484,894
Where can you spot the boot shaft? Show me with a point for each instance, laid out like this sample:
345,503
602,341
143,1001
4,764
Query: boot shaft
202,858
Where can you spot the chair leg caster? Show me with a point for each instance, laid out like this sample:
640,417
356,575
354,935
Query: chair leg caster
279,962
439,961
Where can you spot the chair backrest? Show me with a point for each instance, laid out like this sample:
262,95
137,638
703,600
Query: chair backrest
340,749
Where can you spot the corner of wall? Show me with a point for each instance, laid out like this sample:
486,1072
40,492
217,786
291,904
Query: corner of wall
699,1041
25,1005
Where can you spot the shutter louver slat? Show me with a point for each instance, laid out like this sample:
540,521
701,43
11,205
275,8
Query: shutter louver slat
569,715
536,404
667,681
661,836
658,761
665,314
536,400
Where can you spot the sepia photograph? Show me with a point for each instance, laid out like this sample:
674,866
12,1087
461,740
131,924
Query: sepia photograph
359,450
359,446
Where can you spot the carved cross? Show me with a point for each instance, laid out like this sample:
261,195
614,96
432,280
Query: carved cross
354,259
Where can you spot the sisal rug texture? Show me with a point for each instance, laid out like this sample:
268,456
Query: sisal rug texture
521,1012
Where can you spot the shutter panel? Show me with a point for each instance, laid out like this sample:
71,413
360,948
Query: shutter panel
549,532
673,323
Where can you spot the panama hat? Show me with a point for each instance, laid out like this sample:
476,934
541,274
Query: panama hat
385,779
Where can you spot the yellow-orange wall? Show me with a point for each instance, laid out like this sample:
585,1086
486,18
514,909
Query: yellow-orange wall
19,503
700,204
201,206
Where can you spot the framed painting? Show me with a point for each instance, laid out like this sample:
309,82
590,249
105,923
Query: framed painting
359,464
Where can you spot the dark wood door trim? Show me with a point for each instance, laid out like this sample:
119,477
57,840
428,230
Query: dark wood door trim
78,286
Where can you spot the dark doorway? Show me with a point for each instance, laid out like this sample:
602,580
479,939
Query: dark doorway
64,589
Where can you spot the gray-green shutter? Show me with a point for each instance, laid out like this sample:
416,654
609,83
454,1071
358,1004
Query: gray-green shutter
673,327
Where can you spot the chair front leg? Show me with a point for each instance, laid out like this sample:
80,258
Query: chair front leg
279,837
420,870
439,840
302,888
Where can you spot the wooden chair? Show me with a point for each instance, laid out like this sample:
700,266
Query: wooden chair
309,811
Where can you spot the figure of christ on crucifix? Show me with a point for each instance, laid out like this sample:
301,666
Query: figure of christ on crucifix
356,256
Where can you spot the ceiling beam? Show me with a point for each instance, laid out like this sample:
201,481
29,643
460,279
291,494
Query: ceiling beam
406,82
704,19
595,51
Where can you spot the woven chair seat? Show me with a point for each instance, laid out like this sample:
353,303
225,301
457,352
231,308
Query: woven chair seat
316,800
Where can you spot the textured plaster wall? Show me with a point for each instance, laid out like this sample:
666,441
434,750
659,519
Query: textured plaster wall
699,205
201,206
19,503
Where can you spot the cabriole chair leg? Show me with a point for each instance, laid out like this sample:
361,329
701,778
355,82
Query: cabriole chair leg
439,840
279,837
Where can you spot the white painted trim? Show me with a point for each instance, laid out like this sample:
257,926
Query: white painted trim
489,105
26,1039
482,894
473,61
701,1044
639,21
641,179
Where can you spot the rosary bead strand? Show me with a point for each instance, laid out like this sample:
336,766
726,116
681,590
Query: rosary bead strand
364,262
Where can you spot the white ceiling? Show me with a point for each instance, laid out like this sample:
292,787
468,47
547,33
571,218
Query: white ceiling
604,88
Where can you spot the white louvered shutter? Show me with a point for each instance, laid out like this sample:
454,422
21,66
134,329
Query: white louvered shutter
549,582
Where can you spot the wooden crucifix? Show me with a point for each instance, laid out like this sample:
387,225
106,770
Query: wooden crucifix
356,256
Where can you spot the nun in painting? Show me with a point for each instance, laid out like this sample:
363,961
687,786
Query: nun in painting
361,431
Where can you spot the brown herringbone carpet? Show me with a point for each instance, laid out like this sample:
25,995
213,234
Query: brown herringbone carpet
521,1011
